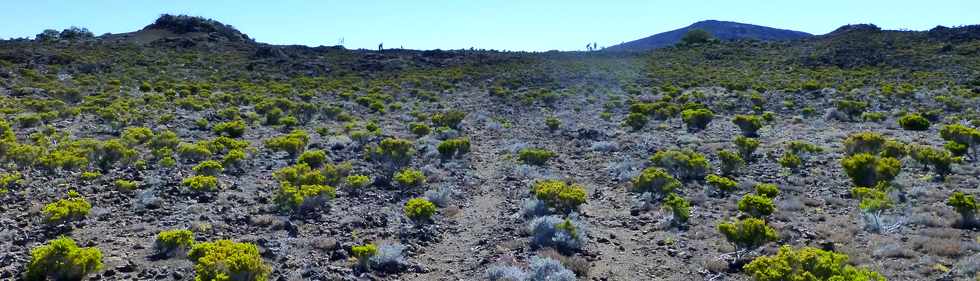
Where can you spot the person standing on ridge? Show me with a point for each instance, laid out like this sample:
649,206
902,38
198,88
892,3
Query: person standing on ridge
380,46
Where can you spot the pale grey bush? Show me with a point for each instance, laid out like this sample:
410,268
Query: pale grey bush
604,146
440,196
532,208
390,258
545,233
506,273
546,269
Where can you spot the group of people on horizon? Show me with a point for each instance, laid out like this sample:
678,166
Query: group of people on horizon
592,46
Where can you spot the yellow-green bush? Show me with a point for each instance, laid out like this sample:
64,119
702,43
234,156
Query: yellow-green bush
749,124
193,152
201,183
913,122
756,205
314,158
454,147
535,156
807,263
363,253
228,260
234,129
410,178
655,180
684,164
292,143
560,195
303,197
126,185
868,170
208,168
170,242
723,184
62,259
74,207
357,181
747,234
419,209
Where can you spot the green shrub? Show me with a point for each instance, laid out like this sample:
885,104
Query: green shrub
292,143
363,253
957,149
723,184
535,156
62,259
300,174
126,185
74,207
410,178
193,152
807,263
746,146
393,152
165,139
636,121
304,197
171,242
201,183
749,124
790,161
731,162
655,180
552,123
450,119
683,164
419,209
10,181
137,135
874,201
769,190
747,234
357,181
864,142
208,168
913,122
679,207
234,158
234,129
894,149
851,107
113,151
964,204
454,147
873,116
756,205
313,158
697,119
559,195
201,124
964,135
940,161
868,170
228,260
419,129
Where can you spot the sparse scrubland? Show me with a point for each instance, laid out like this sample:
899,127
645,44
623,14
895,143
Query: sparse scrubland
189,151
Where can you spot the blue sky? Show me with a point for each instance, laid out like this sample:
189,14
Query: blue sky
534,25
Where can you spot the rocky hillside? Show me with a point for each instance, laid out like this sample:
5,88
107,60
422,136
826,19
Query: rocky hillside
180,153
723,30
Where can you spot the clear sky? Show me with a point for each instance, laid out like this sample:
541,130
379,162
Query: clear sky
533,25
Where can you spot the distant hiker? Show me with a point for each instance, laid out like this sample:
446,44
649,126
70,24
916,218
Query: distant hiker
595,46
588,47
380,46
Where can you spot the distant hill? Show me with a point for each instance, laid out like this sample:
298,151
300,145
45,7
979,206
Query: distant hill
724,30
